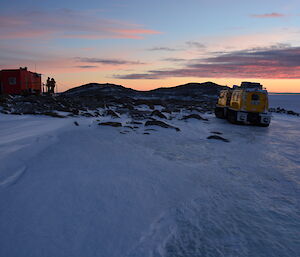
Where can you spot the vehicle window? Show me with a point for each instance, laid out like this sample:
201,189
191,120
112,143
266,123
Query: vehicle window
255,97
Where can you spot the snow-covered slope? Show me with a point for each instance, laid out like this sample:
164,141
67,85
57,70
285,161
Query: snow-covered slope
88,190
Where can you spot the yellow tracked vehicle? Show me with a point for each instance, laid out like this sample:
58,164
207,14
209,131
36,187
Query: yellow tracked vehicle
247,104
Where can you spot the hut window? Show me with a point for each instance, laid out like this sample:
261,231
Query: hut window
12,81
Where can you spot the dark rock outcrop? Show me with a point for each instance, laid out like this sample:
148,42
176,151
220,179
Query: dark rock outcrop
157,113
218,138
136,122
160,124
282,110
53,114
193,116
111,113
110,123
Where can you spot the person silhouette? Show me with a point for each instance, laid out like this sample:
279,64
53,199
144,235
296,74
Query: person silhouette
48,85
52,85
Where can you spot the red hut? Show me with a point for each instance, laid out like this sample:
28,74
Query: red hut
20,81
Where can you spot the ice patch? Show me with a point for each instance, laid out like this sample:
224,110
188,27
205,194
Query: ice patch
213,225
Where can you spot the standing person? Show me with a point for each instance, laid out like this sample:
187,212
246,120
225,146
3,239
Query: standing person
48,85
52,85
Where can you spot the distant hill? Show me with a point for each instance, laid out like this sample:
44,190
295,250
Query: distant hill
100,89
191,90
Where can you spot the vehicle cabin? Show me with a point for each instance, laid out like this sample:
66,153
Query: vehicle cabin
20,81
249,101
225,97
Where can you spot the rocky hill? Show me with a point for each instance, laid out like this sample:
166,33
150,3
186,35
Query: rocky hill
96,89
199,97
189,90
193,90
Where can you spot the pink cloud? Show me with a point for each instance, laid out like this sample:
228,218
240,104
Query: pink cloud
62,24
24,34
269,15
267,63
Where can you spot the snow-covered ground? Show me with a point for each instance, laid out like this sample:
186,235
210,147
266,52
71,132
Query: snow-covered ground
286,101
87,190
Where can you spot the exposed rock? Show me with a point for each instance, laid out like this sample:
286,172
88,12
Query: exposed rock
87,114
110,123
75,111
111,113
130,127
291,112
166,110
160,124
282,110
136,122
78,101
146,133
193,116
138,115
97,114
158,114
76,123
128,106
218,138
53,114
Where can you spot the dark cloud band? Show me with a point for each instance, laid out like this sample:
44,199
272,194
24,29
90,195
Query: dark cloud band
281,62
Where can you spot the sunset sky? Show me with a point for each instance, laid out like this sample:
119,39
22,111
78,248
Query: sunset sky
149,44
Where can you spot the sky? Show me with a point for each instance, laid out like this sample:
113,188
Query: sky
149,44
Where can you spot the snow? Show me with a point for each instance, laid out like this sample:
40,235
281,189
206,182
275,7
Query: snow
286,101
88,190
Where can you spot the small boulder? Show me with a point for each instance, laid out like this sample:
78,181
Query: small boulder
158,114
97,114
130,127
160,124
291,112
166,110
111,113
75,111
136,122
218,138
53,114
87,114
110,123
137,115
193,116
